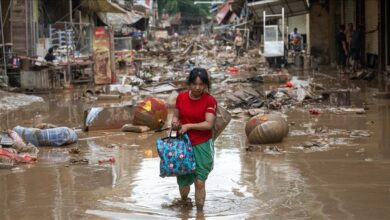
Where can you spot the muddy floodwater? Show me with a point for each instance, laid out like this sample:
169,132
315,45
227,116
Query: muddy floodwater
346,178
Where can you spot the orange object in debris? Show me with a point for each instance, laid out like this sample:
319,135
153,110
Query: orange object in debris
232,70
289,84
152,112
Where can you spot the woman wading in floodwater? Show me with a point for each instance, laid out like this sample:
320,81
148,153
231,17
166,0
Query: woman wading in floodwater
195,114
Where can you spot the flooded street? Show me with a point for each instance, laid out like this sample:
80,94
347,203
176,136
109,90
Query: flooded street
347,178
293,95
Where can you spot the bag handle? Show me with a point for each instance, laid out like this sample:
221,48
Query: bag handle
178,136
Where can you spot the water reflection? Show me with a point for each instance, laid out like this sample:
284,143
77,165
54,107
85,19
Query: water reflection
61,109
243,185
227,196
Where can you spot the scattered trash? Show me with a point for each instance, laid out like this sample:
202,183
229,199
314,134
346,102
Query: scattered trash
361,150
122,89
339,97
309,144
360,133
289,84
164,87
108,97
5,140
9,157
135,128
232,70
272,150
354,110
75,161
368,160
74,150
282,77
314,111
113,146
105,161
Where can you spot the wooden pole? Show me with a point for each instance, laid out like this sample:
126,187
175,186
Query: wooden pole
67,45
2,41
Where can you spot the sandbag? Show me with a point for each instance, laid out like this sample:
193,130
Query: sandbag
47,137
221,121
266,129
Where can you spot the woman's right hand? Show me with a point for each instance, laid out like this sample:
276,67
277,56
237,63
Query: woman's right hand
175,126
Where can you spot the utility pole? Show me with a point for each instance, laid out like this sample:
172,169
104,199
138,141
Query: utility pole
246,21
67,44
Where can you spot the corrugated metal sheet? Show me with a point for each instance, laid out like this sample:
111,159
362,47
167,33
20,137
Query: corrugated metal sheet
223,12
35,79
371,26
19,26
24,28
118,20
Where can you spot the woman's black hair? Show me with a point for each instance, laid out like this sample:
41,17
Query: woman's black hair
202,74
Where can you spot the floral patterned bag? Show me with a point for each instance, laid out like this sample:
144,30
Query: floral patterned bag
177,156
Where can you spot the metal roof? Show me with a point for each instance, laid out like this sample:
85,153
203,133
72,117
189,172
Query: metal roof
291,7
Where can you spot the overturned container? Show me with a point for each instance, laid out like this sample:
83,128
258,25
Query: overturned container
266,129
151,112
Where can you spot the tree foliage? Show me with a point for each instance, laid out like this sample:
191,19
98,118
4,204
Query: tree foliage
186,7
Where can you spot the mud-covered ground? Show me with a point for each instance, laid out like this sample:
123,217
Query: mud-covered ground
12,101
345,177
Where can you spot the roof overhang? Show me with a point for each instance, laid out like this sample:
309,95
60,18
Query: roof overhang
224,11
118,20
291,7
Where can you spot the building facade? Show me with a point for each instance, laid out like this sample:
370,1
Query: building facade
371,15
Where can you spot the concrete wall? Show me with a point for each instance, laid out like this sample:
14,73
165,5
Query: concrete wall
298,22
371,26
7,32
320,31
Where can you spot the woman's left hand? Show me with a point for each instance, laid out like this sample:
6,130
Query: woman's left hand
184,128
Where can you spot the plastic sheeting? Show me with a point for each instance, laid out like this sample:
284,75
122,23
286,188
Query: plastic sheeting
92,114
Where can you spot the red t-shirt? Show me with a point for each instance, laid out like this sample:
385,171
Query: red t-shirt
194,111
